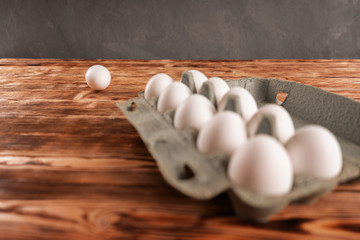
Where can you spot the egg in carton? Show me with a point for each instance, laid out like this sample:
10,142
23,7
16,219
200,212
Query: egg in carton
204,176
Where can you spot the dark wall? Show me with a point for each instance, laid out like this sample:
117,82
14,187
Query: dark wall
180,29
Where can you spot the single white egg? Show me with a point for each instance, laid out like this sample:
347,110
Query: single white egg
98,77
247,103
156,85
261,165
224,132
199,78
171,97
315,151
220,88
282,124
195,111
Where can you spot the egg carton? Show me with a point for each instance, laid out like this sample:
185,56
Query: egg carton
203,177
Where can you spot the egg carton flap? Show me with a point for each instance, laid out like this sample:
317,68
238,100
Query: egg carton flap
204,176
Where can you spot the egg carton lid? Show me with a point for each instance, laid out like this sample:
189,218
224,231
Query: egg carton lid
204,176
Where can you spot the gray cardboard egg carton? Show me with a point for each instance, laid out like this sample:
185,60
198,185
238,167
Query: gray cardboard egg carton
204,176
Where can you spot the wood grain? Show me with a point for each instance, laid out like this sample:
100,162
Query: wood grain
72,167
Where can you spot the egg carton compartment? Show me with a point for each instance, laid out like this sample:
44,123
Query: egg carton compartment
204,176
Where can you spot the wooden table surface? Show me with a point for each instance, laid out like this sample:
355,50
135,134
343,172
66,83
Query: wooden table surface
72,167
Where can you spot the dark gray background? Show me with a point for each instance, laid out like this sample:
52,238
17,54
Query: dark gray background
175,29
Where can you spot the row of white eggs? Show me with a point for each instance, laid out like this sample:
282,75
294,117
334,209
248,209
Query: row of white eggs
259,163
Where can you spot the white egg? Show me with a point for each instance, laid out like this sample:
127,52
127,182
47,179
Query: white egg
195,111
261,165
283,126
98,77
315,151
247,103
220,88
199,78
171,97
156,85
224,132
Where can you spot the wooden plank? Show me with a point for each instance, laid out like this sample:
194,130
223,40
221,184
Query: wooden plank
72,167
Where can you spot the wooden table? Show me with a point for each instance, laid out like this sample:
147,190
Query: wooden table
72,167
